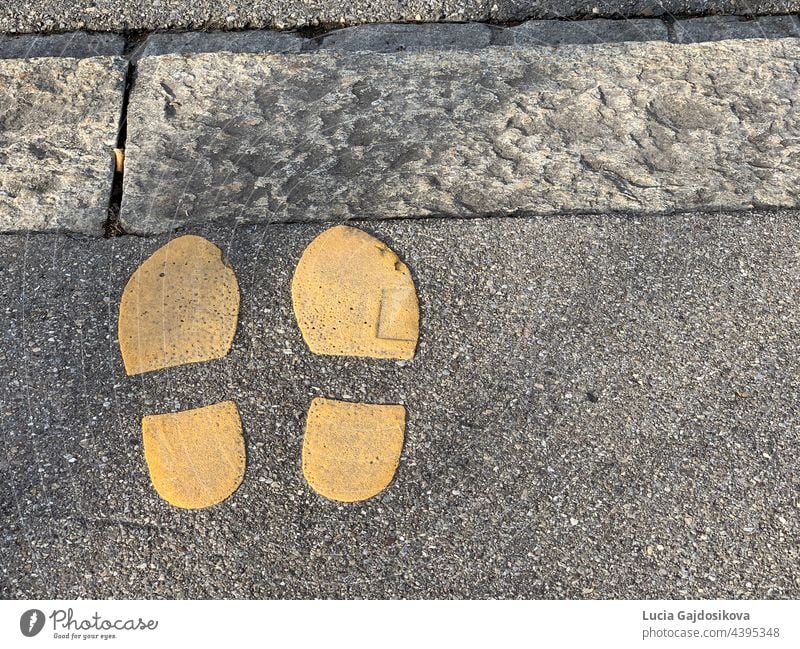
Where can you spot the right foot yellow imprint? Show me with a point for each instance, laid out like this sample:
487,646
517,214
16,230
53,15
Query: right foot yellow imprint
353,296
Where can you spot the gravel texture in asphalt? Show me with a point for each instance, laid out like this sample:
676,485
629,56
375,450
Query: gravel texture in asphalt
599,407
116,15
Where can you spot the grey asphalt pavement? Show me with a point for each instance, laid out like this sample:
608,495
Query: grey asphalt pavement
599,407
116,15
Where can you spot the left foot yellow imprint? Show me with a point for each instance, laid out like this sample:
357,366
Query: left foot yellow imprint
181,306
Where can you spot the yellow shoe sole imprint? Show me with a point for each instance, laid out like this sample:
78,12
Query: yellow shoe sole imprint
352,296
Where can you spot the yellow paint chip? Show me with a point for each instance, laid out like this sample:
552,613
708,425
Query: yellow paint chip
196,458
180,306
119,160
351,450
353,296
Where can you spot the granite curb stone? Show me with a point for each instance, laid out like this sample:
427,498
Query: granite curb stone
334,135
58,126
77,45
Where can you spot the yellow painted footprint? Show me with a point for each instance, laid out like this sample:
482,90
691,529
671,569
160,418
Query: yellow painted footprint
353,296
181,306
